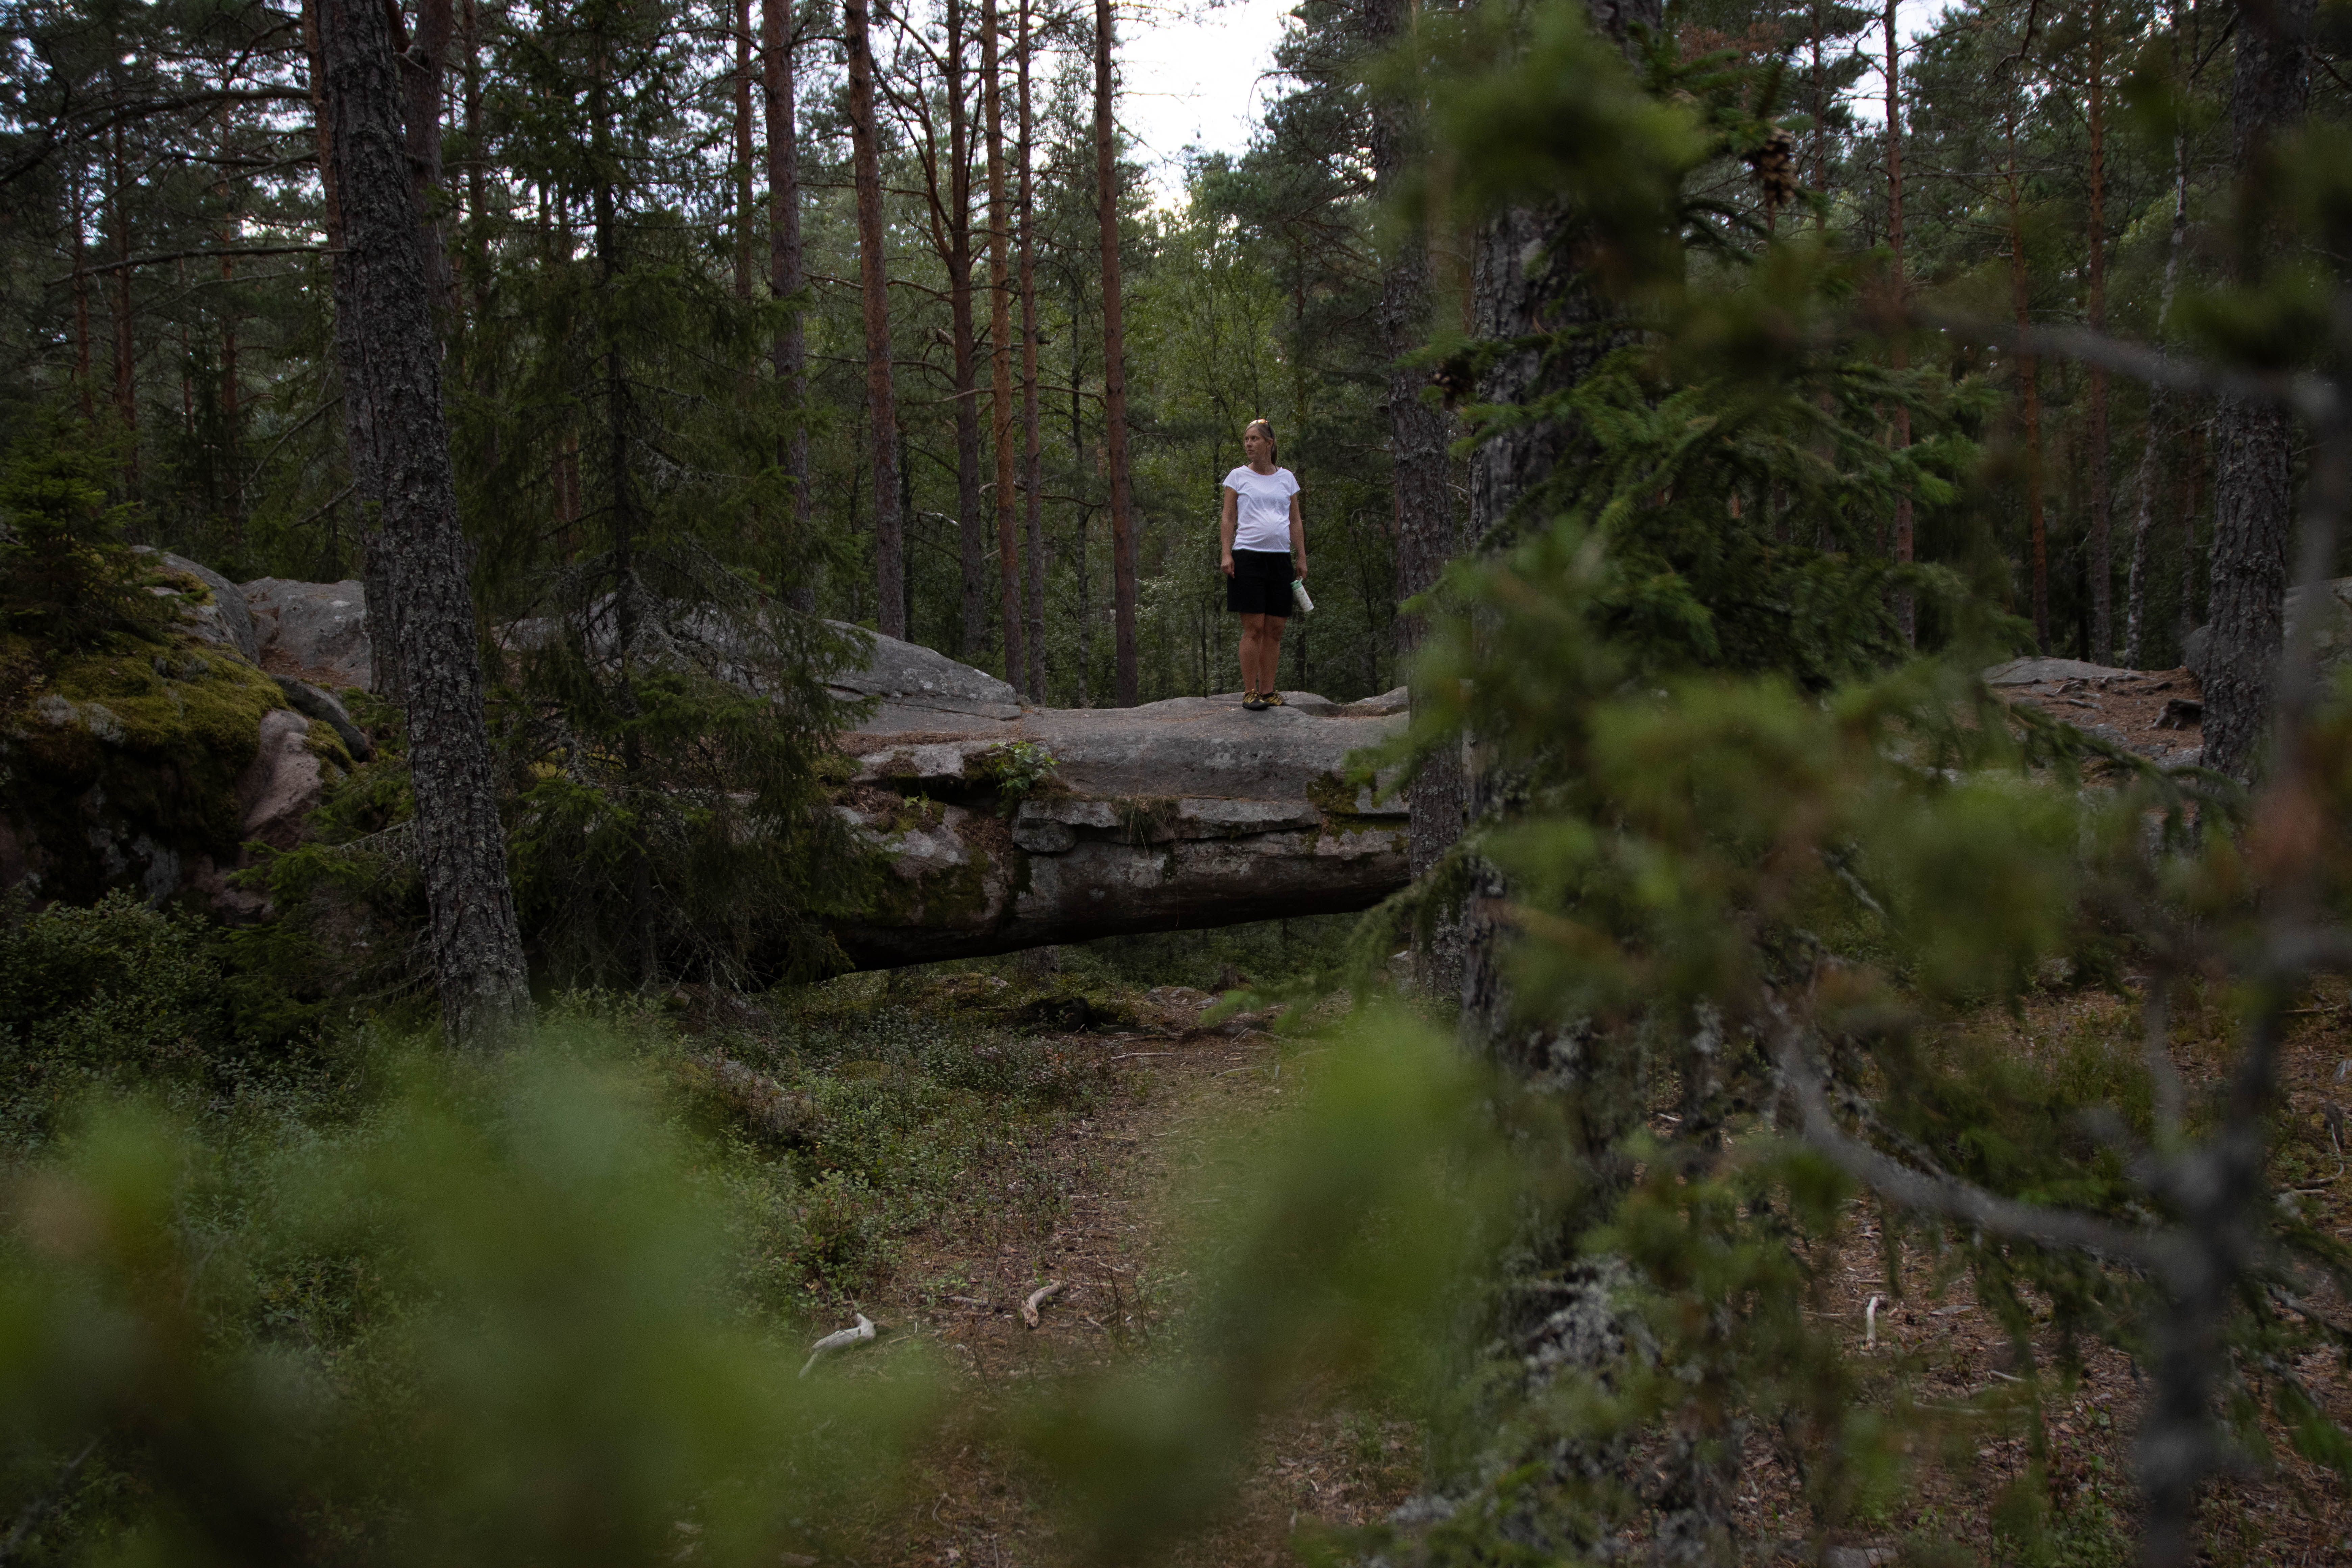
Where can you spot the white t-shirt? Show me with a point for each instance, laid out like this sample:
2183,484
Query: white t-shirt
1262,514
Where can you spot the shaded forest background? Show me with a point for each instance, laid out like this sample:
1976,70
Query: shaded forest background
609,194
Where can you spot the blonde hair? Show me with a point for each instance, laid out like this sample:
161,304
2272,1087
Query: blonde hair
1266,426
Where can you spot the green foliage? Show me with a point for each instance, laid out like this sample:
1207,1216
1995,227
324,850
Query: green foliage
114,994
671,816
487,1321
68,580
1016,768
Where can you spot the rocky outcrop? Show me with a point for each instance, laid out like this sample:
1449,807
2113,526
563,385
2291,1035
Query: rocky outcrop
315,632
1176,815
152,766
2156,713
211,607
1002,826
919,690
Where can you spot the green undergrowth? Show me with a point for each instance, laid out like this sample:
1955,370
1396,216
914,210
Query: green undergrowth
835,1120
845,1122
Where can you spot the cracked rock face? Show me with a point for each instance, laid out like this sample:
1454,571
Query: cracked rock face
1184,813
1181,814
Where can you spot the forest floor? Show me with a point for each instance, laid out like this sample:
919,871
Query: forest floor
1128,1178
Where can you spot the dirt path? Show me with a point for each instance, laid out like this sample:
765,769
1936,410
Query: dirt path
1124,1182
1127,1180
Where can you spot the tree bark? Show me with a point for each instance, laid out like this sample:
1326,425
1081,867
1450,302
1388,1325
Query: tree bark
743,224
1000,331
2158,405
1905,611
422,63
1508,302
866,150
2268,92
81,297
1031,448
2191,484
126,381
2028,377
391,357
233,484
1427,535
624,512
2102,629
476,250
1122,518
1085,522
786,279
953,231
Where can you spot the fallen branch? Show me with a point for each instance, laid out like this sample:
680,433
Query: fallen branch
39,1508
1947,1195
1037,1299
840,1339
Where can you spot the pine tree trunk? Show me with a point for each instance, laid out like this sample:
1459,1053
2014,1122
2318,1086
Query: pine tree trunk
477,247
2255,442
2192,608
954,229
391,360
81,297
1032,446
785,278
2158,403
1427,536
1078,470
1122,518
422,63
1906,613
743,221
882,414
2029,377
126,380
1000,334
1507,302
624,512
2102,629
233,484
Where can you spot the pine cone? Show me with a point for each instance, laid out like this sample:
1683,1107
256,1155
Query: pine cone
1454,379
1774,165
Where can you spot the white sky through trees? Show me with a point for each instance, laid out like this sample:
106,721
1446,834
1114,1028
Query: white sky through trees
1197,75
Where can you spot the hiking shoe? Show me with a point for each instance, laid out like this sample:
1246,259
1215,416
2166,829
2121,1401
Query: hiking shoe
1271,699
1255,703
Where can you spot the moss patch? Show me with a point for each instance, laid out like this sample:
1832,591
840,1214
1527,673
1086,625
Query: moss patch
129,752
1336,799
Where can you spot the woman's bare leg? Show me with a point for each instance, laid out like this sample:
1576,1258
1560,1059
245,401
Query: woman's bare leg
1269,654
1253,627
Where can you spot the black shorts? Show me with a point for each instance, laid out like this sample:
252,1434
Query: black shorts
1260,584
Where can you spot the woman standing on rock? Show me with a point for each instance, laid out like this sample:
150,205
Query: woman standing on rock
1265,551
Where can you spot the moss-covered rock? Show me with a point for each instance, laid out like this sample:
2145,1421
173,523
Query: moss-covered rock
131,765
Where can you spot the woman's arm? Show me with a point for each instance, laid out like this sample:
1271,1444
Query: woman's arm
1298,540
1231,521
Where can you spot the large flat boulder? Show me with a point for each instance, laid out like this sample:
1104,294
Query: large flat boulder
921,691
313,631
1187,813
2035,671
